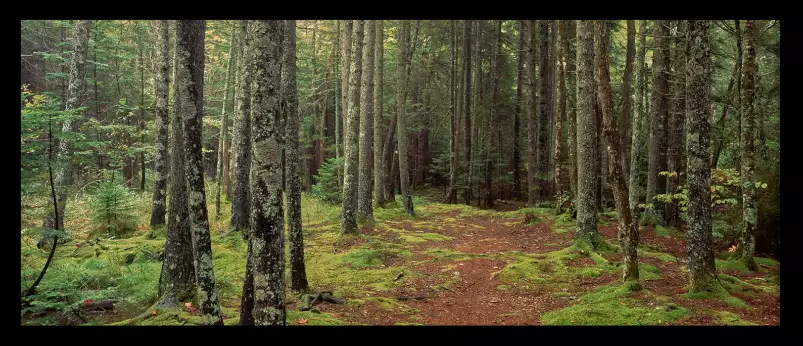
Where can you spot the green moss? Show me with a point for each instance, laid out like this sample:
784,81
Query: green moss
732,266
444,254
422,237
731,319
661,231
769,262
408,324
609,305
313,319
551,269
718,292
648,272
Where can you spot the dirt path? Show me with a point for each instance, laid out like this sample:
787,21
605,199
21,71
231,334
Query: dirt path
464,289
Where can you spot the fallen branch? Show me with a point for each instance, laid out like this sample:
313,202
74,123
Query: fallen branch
411,298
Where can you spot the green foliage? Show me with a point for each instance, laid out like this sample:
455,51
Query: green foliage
112,208
328,187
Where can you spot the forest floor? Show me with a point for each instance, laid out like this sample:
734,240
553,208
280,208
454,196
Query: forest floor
448,265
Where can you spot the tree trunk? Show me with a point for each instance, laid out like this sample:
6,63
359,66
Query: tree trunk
658,121
267,216
240,204
520,54
747,243
402,144
628,230
675,130
627,97
586,125
571,89
532,122
638,162
467,84
177,279
190,66
492,119
351,134
345,29
735,77
698,169
365,211
379,158
224,128
162,121
451,195
63,177
560,66
542,166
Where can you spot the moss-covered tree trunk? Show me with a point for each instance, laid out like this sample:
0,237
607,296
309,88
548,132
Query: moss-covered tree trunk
560,67
676,120
345,32
224,128
379,157
467,108
177,279
365,210
190,67
542,160
532,117
240,204
493,118
747,243
451,193
627,97
402,138
63,176
658,120
586,130
638,162
159,205
298,273
571,90
520,56
628,230
698,170
267,214
351,134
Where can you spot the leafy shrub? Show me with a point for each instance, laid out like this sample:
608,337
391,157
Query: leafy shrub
112,208
328,186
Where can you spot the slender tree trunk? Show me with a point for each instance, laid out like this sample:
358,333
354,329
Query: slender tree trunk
190,67
490,130
365,209
586,124
290,96
571,90
240,204
351,134
560,63
345,29
532,119
638,162
467,84
747,243
402,143
658,119
735,77
162,83
627,97
379,158
451,195
141,117
675,129
520,54
542,161
698,87
63,176
628,230
177,279
224,128
267,216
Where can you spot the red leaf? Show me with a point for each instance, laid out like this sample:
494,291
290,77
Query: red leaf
153,312
88,301
301,321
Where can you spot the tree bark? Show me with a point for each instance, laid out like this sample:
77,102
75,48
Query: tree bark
240,204
747,243
675,130
345,30
267,216
698,169
532,120
402,138
628,230
492,119
467,94
520,54
571,88
560,63
365,211
222,169
627,97
658,121
162,84
190,66
379,157
638,162
586,125
451,195
351,134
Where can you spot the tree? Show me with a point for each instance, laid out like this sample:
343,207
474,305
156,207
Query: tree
560,64
365,211
267,214
190,67
658,119
402,145
674,153
451,195
698,169
586,124
571,91
747,243
223,140
520,54
638,162
177,279
160,161
345,30
351,133
488,200
628,229
63,176
627,96
532,120
240,207
290,95
467,83
379,157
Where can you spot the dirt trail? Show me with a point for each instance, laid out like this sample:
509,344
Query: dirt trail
464,290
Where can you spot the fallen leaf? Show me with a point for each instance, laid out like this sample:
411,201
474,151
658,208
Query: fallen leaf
88,301
301,321
188,305
153,312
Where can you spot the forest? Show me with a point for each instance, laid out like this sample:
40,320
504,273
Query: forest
399,172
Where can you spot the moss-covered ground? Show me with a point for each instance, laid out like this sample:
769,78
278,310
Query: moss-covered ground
461,265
